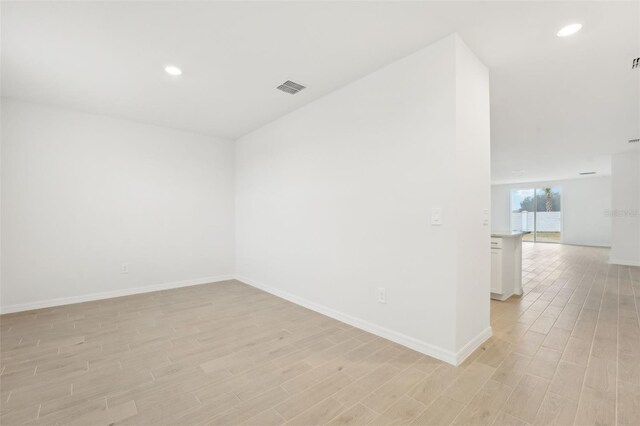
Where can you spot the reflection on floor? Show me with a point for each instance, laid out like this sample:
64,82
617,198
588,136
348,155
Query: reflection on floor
567,351
543,237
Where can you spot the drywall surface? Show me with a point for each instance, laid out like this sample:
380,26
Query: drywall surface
334,202
625,208
473,195
83,195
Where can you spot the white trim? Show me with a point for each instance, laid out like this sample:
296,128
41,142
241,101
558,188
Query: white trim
501,296
402,339
598,245
472,345
624,262
110,294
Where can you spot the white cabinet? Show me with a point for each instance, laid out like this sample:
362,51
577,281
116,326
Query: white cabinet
496,271
506,265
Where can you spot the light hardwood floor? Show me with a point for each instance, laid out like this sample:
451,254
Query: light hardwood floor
568,352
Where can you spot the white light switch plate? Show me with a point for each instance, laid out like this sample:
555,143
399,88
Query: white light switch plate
382,295
436,216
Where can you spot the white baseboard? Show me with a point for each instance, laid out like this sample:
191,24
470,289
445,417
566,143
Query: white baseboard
599,245
473,345
501,296
454,358
625,262
110,294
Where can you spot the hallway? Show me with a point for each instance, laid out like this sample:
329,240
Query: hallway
575,334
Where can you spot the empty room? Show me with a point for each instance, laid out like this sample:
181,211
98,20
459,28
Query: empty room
320,213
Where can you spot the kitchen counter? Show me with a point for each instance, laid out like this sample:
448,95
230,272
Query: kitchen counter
506,234
506,264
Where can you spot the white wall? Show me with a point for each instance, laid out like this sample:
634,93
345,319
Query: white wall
83,194
625,208
472,195
585,204
334,201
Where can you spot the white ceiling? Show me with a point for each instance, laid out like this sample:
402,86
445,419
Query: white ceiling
559,105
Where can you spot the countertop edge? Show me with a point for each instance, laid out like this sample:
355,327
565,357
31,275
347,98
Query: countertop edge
512,234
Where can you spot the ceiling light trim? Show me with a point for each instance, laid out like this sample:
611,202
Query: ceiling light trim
569,30
173,70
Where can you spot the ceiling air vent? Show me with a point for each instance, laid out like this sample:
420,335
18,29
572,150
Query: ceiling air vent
635,64
634,140
290,87
587,173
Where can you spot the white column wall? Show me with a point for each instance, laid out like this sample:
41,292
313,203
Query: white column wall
334,202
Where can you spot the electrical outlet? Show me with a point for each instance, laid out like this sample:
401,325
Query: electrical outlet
436,216
382,295
125,268
485,217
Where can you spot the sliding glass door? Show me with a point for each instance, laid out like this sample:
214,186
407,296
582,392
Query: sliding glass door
548,215
537,212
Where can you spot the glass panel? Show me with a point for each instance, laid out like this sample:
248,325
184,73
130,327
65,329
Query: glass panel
522,212
548,215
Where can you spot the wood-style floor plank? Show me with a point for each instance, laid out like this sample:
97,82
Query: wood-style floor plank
566,352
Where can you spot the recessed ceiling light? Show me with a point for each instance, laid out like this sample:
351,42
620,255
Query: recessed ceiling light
569,30
172,70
